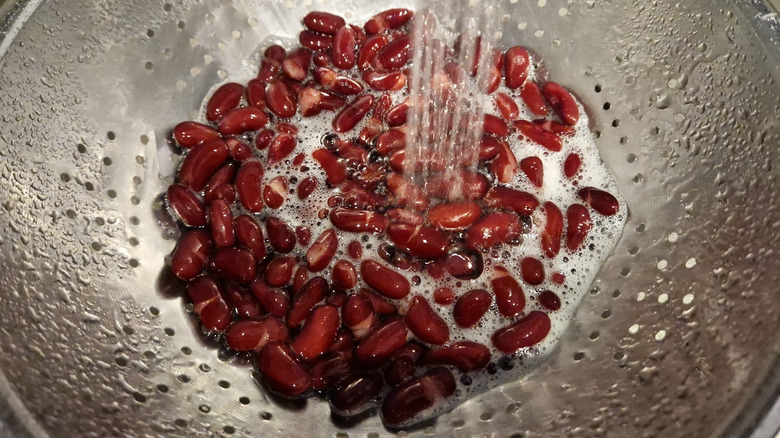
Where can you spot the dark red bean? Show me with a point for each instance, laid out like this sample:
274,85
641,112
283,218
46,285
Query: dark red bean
516,64
282,371
471,307
356,390
245,304
280,99
343,53
255,94
275,192
321,252
524,332
510,199
553,229
191,134
279,271
315,41
274,301
249,234
381,306
549,300
389,19
328,370
323,22
280,235
419,241
572,165
296,64
281,146
235,264
353,113
603,202
313,292
224,99
221,224
369,51
191,254
384,280
335,170
206,296
532,271
454,216
578,225
249,185
532,96
532,168
409,399
201,163
562,102
444,296
253,335
344,275
380,344
493,229
466,356
509,295
187,206
318,332
241,120
358,221
425,323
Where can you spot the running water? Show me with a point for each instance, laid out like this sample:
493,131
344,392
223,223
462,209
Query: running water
451,68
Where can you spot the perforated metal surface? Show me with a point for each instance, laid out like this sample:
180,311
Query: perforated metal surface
678,337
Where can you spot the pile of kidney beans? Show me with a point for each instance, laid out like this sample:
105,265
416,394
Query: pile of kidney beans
318,323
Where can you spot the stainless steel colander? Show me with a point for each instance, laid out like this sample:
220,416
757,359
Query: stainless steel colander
679,336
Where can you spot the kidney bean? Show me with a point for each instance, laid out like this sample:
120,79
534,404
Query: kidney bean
533,169
296,64
275,192
344,275
404,216
471,307
235,264
275,53
279,271
255,94
578,224
444,296
473,185
206,295
369,50
516,65
282,371
280,99
240,120
201,163
562,102
190,256
454,216
225,98
239,150
504,165
509,295
558,278
321,252
300,277
532,271
572,165
191,134
391,141
221,224
353,113
343,53
328,369
280,235
495,126
532,97
603,202
525,332
396,116
315,40
381,342
356,390
510,199
425,323
389,19
401,368
323,22
245,304
463,263
390,81
253,335
553,228
249,234
317,333
358,221
269,69
274,301
187,206
384,280
549,300
395,54
537,134
306,187
466,356
507,107
358,315
418,240
309,102
281,146
313,292
492,229
380,305
249,181
412,397
334,169
344,343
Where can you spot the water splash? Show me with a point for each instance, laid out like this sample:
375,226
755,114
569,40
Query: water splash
452,66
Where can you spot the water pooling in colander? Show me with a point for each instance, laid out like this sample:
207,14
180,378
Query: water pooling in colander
409,265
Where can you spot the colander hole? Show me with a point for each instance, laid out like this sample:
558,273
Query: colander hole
135,200
121,361
595,335
630,158
133,263
595,290
342,435
597,134
111,193
65,177
606,314
134,220
223,356
372,435
89,186
181,25
144,139
107,161
616,123
204,367
71,214
150,33
140,398
623,140
606,106
267,416
597,88
139,159
641,228
578,356
430,430
149,355
224,384
99,221
616,293
638,178
402,434
619,355
486,416
167,7
204,408
517,435
81,148
210,18
186,350
654,130
511,408
96,246
230,430
180,423
137,180
154,311
243,400
111,135
633,250
128,330
149,65
625,272
169,331
162,388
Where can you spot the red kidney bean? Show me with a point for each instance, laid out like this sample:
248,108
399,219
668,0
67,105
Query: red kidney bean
306,187
240,120
201,163
321,252
323,22
532,97
344,275
533,169
296,64
282,371
281,147
343,53
279,271
328,369
401,368
381,108
463,263
444,296
225,98
549,300
226,192
191,134
389,19
492,229
274,301
572,165
495,126
300,278
279,99
356,390
395,54
353,152
331,101
418,240
358,315
390,81
344,343
532,271
358,221
275,192
249,234
263,138
384,280
413,396
336,298
472,187
404,216
509,295
249,185
471,307
187,206
537,134
353,113
381,306
368,52
275,53
391,141
354,250
235,264
255,93
516,65
315,40
425,323
334,169
280,235
190,256
510,199
269,69
504,165
239,150
381,342
253,335
507,107
221,224
396,116
578,225
309,102
558,278
553,228
407,194
466,356
454,216
524,332
562,102
317,333
245,304
206,295
603,202
314,291
303,235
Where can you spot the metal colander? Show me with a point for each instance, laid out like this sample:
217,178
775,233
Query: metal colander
678,336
